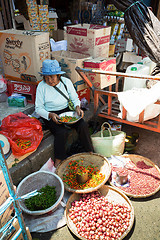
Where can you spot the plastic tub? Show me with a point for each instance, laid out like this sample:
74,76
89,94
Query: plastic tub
136,69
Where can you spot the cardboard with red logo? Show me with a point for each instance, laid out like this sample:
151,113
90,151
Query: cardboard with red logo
93,40
22,53
4,194
105,64
84,93
68,62
124,45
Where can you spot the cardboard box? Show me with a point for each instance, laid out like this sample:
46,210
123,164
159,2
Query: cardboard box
57,35
93,40
111,50
124,44
68,62
105,64
126,59
131,57
23,52
4,194
43,13
16,227
44,27
53,24
84,93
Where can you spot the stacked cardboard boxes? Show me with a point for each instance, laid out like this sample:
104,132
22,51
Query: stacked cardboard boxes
52,20
93,40
33,14
68,62
44,17
38,16
83,43
105,64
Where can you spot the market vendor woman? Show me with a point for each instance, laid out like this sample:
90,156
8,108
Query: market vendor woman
50,103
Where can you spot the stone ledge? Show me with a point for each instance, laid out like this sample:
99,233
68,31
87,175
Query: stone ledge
34,161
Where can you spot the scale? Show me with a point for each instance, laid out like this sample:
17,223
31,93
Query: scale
5,146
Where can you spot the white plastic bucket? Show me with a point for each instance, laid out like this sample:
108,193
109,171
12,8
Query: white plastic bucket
136,69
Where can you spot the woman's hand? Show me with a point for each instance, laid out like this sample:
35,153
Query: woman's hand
79,111
54,117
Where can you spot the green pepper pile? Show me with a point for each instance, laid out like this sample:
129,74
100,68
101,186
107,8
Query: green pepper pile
45,199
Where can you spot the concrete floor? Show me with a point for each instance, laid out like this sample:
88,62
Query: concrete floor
147,211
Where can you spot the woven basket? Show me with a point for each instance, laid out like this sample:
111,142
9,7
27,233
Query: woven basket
135,158
36,181
88,158
112,195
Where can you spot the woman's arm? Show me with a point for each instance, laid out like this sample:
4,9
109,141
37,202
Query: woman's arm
40,103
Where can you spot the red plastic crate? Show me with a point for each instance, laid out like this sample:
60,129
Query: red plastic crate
26,89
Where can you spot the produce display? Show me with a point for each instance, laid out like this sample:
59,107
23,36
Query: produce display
45,199
95,216
68,119
23,144
95,177
143,178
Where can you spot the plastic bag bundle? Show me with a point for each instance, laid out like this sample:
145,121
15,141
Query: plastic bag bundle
19,127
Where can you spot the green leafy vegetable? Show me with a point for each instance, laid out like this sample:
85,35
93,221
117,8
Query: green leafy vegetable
45,199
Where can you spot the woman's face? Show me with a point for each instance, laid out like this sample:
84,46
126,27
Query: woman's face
52,80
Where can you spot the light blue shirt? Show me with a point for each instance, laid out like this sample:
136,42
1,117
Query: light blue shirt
49,99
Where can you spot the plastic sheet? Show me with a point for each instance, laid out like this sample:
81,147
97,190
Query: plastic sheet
143,27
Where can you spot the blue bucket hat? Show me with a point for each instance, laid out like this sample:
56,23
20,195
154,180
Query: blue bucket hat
51,67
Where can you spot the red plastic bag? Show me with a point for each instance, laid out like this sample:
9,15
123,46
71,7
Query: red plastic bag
20,126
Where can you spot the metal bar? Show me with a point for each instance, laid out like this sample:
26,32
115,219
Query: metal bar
102,100
12,192
130,123
141,117
104,92
158,125
120,74
124,113
17,234
109,104
85,78
96,101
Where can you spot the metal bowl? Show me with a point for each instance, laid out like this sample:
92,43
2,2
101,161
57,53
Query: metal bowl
35,181
70,114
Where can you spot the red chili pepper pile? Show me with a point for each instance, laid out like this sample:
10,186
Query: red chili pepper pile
144,179
95,177
23,144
